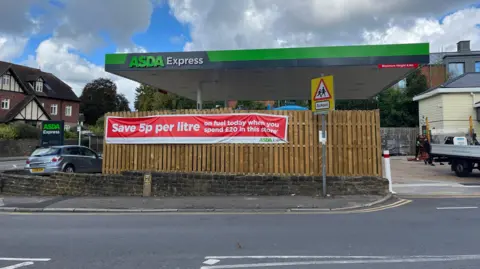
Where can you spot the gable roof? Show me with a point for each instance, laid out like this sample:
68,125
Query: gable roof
468,82
20,106
54,87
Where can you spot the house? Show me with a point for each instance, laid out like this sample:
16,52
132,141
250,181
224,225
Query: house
449,106
30,95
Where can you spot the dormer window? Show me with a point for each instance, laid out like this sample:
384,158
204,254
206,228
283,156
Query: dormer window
39,85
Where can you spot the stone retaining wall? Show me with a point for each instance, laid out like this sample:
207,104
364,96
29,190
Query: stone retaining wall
186,184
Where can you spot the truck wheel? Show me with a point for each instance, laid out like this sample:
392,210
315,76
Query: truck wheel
462,168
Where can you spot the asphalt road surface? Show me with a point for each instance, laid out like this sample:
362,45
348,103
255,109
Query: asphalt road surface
427,233
8,165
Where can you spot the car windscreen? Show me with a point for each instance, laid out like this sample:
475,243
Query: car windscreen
46,152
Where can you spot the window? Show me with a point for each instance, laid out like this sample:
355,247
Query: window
68,111
53,109
88,153
39,85
477,67
456,69
72,151
6,80
6,104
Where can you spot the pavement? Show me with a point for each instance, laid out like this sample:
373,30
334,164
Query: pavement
188,204
415,179
426,233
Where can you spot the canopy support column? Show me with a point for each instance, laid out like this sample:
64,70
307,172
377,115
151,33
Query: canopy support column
199,97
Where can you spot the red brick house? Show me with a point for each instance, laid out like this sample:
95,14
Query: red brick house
30,95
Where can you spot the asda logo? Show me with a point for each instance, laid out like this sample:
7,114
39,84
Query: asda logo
149,61
51,126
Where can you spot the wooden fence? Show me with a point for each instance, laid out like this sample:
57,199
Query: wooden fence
353,148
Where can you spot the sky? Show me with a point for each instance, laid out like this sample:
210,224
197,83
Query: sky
70,38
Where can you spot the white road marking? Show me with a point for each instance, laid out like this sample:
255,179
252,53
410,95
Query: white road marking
23,264
211,261
457,207
413,259
25,259
297,257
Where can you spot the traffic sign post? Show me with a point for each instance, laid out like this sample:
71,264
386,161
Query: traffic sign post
323,101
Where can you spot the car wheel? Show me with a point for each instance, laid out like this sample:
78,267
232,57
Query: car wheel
69,169
462,169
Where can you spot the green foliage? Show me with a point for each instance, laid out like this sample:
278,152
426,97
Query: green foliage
26,131
97,130
148,98
250,105
7,132
99,97
70,134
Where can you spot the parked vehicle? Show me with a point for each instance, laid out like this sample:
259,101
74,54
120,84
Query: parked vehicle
69,159
462,158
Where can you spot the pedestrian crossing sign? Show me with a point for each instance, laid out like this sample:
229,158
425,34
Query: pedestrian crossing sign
322,94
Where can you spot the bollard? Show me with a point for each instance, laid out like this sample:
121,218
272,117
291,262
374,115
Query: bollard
147,185
388,171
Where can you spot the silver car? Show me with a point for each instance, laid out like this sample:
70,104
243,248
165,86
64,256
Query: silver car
69,159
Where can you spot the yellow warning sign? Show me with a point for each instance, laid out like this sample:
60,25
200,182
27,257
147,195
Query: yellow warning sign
323,94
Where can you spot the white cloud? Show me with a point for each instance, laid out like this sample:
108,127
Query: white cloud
461,25
11,47
55,56
238,24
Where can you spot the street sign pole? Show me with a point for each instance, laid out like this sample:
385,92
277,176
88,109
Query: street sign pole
323,101
324,156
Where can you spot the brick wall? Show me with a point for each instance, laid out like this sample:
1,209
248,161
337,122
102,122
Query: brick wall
436,75
61,104
70,185
15,98
186,184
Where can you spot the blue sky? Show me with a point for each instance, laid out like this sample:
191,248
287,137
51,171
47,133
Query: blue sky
164,34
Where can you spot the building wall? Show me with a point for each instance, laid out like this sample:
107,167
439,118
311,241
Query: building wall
435,74
69,120
431,108
469,60
457,109
15,98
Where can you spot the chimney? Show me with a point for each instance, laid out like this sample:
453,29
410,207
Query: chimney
463,46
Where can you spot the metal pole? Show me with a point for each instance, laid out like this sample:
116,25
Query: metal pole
199,97
324,157
79,129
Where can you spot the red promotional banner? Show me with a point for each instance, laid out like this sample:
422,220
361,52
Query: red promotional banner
398,66
197,129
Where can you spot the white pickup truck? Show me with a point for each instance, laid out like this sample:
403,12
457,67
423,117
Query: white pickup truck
462,157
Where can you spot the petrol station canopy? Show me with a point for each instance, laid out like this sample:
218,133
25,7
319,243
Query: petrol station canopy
359,72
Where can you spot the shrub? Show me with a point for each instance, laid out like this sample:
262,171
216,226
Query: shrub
26,131
7,132
70,135
97,130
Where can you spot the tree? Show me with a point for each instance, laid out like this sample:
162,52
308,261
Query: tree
122,102
99,97
148,98
250,105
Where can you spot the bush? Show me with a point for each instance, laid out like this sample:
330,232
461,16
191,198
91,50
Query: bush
70,135
7,132
97,130
26,131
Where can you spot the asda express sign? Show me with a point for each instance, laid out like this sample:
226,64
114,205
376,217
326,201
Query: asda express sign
156,61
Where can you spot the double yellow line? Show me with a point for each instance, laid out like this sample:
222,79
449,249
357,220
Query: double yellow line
398,203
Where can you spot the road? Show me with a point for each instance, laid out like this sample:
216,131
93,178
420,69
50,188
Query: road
427,233
11,164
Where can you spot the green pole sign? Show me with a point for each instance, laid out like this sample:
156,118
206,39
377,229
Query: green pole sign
52,133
